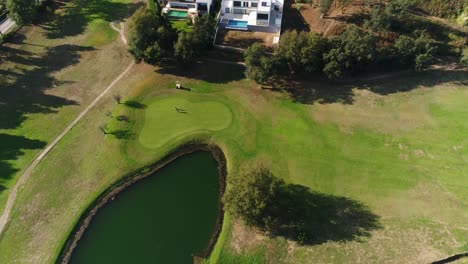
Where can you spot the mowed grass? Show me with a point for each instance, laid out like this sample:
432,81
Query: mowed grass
411,174
171,118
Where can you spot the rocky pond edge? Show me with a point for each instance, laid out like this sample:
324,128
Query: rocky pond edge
133,177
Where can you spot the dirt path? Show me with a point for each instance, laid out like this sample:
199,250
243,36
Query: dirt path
121,31
14,191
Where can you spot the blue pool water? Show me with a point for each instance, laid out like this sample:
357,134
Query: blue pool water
238,24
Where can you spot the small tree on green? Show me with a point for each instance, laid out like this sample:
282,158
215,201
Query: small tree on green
251,195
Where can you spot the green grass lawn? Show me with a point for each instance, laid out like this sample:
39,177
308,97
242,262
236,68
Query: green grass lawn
163,122
397,146
181,25
401,154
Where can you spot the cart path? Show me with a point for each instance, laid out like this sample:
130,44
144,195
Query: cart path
14,191
121,31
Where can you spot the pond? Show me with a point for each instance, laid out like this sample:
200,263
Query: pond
164,218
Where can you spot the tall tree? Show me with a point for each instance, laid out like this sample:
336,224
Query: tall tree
22,11
252,195
301,51
152,37
191,45
259,66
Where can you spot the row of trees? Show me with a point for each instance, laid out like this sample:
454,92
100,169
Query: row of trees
153,39
355,51
21,11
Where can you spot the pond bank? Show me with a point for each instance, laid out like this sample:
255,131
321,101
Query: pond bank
142,173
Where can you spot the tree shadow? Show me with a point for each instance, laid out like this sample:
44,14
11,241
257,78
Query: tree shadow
121,134
213,72
11,148
22,88
73,17
134,104
317,89
292,18
314,218
412,80
355,18
122,118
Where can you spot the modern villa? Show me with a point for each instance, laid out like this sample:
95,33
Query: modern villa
180,9
252,15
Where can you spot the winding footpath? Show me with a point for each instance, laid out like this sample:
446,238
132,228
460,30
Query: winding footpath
14,191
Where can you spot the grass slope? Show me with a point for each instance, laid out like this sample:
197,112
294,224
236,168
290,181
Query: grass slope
49,73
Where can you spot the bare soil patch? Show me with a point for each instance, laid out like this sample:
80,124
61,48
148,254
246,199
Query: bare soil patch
244,39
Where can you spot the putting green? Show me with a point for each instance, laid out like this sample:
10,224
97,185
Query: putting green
163,122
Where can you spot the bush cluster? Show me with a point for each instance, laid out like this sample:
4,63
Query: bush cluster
153,39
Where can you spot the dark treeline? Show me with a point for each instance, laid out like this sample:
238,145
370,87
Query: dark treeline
392,38
154,40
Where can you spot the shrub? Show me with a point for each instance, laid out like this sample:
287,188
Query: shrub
464,57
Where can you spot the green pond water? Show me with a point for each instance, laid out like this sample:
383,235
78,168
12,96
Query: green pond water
164,218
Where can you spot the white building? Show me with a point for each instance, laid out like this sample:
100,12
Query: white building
253,15
186,8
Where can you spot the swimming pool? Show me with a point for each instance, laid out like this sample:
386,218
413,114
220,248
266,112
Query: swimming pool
237,24
177,14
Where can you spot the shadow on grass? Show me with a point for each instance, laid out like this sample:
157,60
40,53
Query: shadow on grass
23,88
121,134
213,72
323,91
11,148
72,17
134,104
314,218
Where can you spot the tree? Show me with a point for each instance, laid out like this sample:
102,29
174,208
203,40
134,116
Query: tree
203,31
422,61
259,67
191,45
405,47
417,52
350,53
464,57
22,11
252,194
185,48
380,20
152,37
301,51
